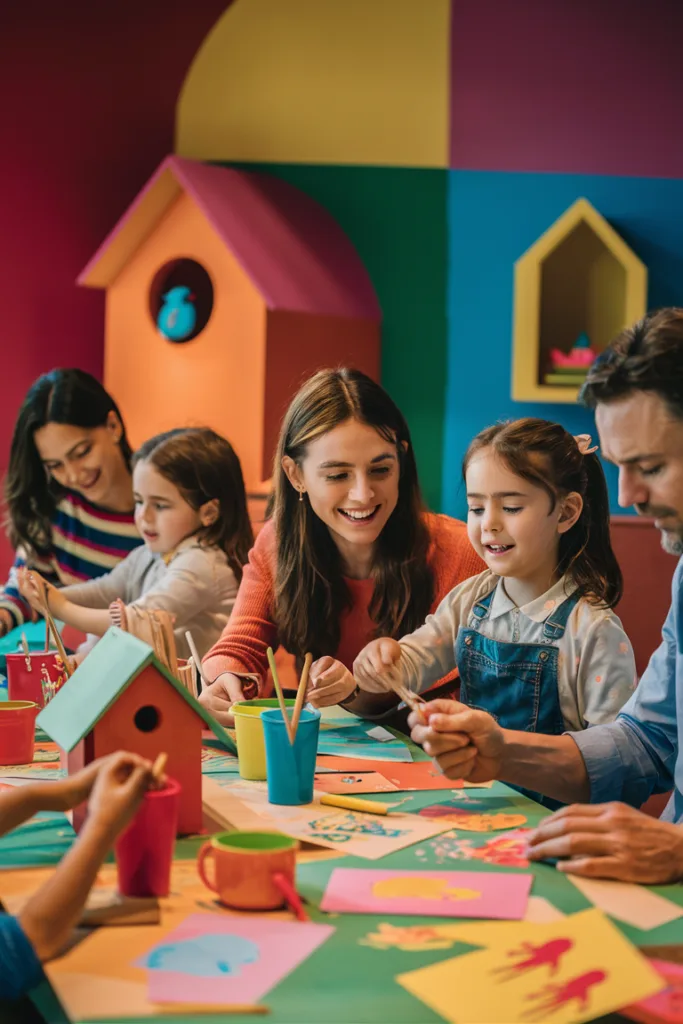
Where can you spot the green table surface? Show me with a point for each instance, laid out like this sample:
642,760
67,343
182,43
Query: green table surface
345,981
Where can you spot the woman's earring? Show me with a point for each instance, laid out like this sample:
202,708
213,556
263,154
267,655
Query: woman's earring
301,494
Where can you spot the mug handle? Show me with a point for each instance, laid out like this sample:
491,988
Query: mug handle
291,896
206,851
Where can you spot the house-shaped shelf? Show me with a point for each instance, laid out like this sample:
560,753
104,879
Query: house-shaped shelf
579,278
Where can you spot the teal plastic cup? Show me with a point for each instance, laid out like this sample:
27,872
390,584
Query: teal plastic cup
290,768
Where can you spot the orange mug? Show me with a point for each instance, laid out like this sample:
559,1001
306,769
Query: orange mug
252,870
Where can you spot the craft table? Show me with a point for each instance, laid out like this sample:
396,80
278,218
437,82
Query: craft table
347,980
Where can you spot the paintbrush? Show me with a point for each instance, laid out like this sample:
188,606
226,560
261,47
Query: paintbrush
410,699
280,695
197,660
301,694
51,625
158,767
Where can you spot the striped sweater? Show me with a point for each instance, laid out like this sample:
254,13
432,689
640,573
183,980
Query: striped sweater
87,541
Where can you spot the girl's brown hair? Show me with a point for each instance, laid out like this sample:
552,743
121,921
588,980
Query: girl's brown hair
310,592
204,467
546,455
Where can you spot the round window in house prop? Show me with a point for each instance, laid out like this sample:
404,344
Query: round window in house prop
181,300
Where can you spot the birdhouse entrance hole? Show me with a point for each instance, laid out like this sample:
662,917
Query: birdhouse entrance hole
181,300
147,718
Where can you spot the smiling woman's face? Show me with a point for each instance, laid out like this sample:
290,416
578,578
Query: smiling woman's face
83,459
351,476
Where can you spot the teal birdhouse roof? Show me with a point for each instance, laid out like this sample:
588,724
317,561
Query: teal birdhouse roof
99,680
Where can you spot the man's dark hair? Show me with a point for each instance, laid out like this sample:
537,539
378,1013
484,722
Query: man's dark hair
645,357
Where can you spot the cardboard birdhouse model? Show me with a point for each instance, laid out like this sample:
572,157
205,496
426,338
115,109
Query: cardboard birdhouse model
122,698
225,289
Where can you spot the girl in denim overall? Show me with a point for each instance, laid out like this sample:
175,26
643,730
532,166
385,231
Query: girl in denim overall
533,637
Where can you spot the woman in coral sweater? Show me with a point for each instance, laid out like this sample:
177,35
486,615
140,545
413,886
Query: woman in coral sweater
349,552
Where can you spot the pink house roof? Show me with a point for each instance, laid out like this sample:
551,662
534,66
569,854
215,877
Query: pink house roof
293,251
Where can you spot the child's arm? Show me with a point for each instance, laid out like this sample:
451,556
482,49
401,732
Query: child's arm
20,804
49,916
418,660
89,611
606,676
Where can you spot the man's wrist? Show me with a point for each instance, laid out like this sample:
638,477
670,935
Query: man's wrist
355,693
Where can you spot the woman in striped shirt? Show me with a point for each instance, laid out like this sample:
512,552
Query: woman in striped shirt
68,490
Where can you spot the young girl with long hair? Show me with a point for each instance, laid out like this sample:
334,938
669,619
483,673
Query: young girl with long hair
349,552
190,507
534,636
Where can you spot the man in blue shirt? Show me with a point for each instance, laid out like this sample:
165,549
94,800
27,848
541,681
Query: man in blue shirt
636,388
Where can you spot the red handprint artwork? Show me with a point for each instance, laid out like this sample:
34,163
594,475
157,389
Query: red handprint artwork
554,996
548,954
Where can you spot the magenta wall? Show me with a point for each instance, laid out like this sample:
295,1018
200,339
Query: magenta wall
577,86
88,105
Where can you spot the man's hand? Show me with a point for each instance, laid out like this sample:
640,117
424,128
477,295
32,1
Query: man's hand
329,682
376,664
465,744
610,841
219,697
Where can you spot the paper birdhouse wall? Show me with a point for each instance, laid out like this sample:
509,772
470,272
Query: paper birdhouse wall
122,698
225,289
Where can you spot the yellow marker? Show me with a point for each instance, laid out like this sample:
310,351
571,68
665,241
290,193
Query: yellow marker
352,803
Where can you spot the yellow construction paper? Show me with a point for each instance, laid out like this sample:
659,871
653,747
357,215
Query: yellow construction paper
568,971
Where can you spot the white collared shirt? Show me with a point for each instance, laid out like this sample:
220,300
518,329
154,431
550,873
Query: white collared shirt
596,665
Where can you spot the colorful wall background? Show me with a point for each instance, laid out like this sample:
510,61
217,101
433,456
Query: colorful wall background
444,136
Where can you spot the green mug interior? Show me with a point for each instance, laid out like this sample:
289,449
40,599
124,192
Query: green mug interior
254,842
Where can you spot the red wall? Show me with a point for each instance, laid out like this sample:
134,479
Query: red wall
647,570
88,94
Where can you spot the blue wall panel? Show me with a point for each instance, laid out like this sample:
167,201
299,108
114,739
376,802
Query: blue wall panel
493,218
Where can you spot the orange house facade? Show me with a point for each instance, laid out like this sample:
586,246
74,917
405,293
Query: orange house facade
276,291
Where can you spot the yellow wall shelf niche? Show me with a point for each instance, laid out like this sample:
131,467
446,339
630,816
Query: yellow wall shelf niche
579,277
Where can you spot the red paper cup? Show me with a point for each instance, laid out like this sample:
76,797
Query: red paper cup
23,674
17,731
144,852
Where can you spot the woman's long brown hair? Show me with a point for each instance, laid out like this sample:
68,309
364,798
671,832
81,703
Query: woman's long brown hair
310,591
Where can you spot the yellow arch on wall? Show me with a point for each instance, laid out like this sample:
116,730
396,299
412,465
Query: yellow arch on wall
321,81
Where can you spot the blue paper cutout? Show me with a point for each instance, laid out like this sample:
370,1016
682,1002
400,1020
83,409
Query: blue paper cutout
206,956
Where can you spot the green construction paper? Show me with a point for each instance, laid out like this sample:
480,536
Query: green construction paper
111,666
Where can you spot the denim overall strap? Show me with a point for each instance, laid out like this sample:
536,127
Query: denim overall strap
516,683
481,609
556,623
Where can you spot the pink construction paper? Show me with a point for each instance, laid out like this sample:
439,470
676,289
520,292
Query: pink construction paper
217,959
665,1007
433,893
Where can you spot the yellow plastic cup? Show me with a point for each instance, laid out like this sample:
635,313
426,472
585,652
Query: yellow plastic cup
251,747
